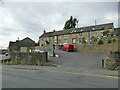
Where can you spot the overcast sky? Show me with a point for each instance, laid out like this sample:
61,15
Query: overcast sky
30,19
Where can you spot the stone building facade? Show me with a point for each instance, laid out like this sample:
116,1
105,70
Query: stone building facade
24,45
76,35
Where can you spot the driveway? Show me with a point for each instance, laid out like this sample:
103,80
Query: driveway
75,59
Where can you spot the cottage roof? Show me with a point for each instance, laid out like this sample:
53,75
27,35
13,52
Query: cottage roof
24,42
78,30
55,33
12,43
46,34
95,27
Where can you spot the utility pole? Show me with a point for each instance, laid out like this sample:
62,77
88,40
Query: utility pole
95,24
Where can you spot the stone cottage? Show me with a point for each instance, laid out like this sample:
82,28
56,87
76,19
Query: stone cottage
76,35
24,45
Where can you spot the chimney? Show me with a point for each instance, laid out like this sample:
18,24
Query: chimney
44,31
17,40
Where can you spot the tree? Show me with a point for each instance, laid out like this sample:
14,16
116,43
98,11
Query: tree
71,23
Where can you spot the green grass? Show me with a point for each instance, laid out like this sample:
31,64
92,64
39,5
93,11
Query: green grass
17,62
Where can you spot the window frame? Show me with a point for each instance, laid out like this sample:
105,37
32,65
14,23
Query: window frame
74,42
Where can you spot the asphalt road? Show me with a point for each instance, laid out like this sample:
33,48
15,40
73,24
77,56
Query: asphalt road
23,78
58,77
75,59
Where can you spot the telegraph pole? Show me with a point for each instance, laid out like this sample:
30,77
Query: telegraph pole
95,24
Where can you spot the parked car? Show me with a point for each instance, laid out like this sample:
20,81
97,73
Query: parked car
68,47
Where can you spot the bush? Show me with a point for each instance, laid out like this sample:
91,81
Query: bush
95,40
16,62
114,40
7,63
83,40
100,42
109,41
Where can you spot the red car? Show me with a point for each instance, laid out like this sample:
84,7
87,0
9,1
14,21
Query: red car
68,47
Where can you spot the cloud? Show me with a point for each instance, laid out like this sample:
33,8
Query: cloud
30,19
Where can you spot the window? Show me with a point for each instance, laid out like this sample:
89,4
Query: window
59,41
65,41
65,36
55,37
81,30
93,28
74,40
92,40
23,49
92,32
80,33
80,40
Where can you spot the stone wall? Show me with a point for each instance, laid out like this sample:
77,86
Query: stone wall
34,58
111,60
105,48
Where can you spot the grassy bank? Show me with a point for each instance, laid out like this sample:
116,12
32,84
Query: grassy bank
18,62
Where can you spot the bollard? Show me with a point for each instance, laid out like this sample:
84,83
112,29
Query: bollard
102,62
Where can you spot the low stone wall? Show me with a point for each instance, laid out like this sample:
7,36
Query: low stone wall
111,60
34,58
105,48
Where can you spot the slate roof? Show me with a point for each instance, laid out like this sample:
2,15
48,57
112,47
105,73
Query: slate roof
46,34
78,30
60,32
22,43
93,27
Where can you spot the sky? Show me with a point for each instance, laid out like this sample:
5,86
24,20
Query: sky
30,19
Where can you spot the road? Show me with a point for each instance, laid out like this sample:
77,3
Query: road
75,59
23,78
75,72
